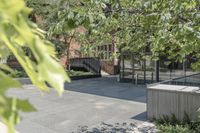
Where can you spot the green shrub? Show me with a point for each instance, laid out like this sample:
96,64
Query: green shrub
78,73
170,124
174,129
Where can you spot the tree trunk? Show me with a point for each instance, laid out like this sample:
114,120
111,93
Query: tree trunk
68,54
68,49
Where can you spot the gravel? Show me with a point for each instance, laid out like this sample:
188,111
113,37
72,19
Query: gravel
145,127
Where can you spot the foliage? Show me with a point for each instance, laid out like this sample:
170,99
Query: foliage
78,73
17,32
70,18
22,74
19,74
43,9
89,42
173,129
170,124
169,28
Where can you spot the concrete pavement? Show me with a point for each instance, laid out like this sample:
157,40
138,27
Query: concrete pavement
86,102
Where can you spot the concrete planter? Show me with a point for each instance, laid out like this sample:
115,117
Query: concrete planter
165,100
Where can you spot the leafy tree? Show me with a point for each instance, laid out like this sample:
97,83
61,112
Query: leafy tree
169,28
44,10
17,33
73,14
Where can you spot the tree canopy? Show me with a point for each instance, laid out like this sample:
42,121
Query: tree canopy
169,28
164,26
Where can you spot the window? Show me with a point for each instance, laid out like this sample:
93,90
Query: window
105,51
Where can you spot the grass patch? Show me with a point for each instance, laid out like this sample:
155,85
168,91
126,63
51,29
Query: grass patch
22,74
73,73
19,74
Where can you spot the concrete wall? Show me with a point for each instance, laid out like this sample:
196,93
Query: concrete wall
171,99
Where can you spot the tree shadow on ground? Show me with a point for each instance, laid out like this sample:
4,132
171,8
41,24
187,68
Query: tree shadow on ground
109,87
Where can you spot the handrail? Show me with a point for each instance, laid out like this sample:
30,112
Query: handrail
180,78
92,64
178,82
91,67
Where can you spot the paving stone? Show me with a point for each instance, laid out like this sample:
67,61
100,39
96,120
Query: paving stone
87,103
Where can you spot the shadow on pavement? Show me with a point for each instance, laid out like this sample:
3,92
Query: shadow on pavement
141,117
109,87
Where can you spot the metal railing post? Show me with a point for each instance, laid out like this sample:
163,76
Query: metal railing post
136,79
152,77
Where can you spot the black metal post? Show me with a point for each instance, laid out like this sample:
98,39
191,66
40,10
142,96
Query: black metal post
171,67
133,68
152,77
184,68
144,71
157,70
123,65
